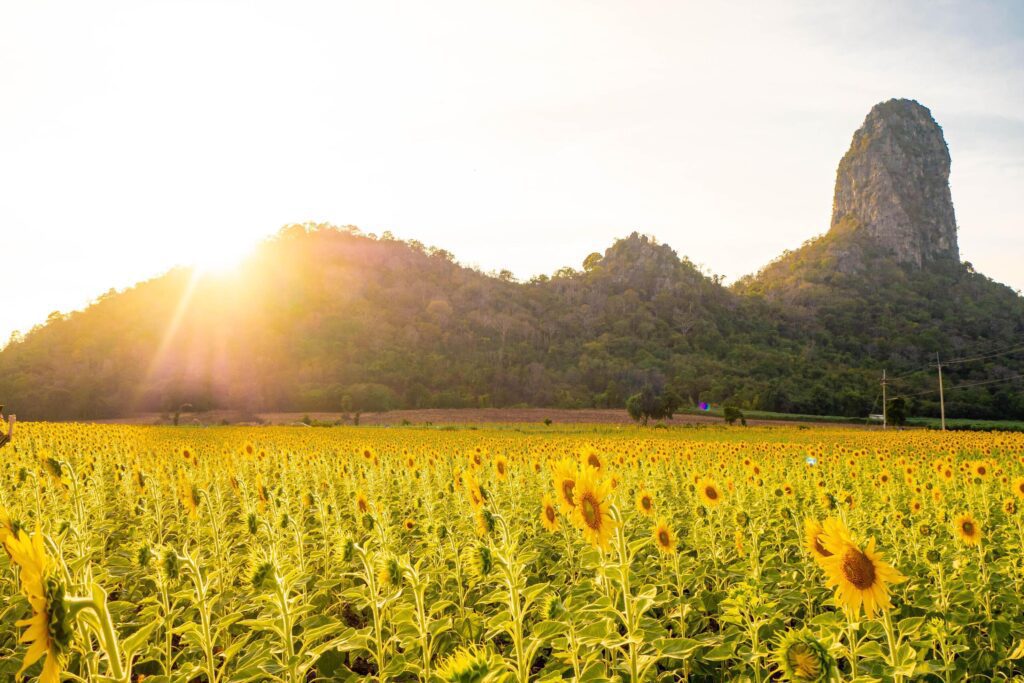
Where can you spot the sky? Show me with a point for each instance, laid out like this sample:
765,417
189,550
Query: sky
137,135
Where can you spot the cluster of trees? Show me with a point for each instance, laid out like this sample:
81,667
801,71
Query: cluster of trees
324,318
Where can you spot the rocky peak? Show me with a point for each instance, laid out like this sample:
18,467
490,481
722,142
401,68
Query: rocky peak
892,186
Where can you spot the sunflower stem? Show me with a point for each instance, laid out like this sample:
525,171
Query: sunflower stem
894,644
852,642
627,597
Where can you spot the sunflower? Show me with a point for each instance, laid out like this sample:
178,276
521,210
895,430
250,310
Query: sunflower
968,529
474,492
188,494
48,631
645,503
565,476
589,457
389,573
709,492
813,532
485,522
501,467
8,527
409,524
1018,487
478,561
548,514
664,539
592,513
362,504
470,665
860,576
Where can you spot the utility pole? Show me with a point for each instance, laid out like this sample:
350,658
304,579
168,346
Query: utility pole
942,398
885,404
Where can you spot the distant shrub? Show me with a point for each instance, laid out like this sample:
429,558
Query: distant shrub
732,413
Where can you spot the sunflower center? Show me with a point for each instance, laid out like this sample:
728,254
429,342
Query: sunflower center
591,510
646,502
819,548
549,512
711,492
594,461
1020,487
663,538
858,569
968,528
567,488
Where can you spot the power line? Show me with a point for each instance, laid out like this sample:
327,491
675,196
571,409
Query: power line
960,386
1006,350
988,355
988,381
912,372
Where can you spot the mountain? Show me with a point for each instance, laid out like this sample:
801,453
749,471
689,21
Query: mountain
325,318
893,186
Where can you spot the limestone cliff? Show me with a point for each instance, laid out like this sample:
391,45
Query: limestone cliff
892,186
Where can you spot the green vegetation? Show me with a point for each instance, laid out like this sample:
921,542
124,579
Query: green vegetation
328,319
647,405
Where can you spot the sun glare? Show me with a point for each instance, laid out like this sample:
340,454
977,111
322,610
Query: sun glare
220,258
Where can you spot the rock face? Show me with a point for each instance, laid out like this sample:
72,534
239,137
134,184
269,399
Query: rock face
892,186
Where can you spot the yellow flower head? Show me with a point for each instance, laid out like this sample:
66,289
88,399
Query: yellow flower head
645,502
664,539
967,529
548,514
48,631
592,514
565,476
860,576
709,492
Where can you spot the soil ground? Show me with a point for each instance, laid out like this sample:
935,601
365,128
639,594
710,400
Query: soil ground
439,416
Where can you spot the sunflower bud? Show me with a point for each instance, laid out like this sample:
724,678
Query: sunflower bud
172,564
348,550
552,608
803,659
262,574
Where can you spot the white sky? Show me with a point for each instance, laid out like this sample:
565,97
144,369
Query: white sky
525,134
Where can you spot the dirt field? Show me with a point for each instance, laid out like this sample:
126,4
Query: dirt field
436,416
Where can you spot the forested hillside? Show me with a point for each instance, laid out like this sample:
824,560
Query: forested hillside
322,318
327,319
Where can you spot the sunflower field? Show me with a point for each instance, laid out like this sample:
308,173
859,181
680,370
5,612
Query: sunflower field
510,554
